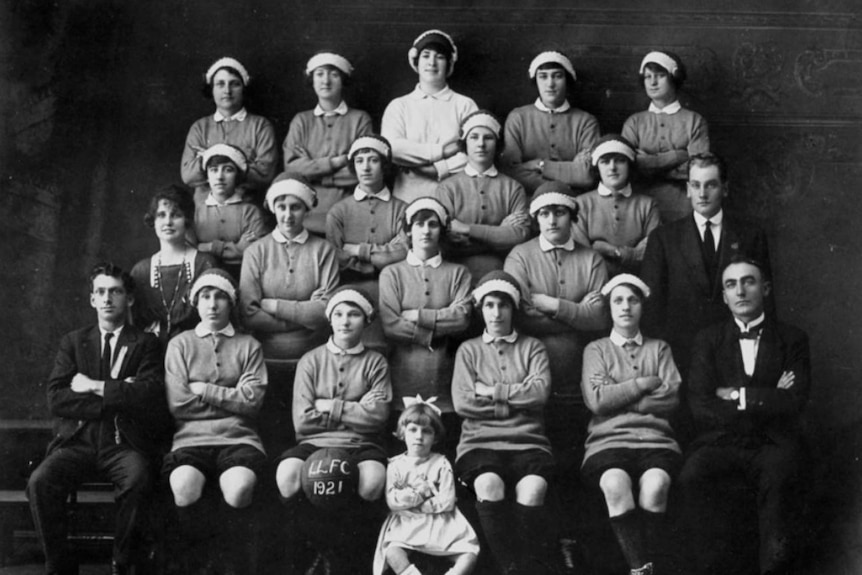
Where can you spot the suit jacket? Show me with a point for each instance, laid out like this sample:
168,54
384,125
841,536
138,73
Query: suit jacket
683,299
770,412
138,409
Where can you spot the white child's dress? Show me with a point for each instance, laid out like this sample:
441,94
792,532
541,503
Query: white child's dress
421,494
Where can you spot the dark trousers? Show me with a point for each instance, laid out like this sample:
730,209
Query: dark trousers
771,471
91,453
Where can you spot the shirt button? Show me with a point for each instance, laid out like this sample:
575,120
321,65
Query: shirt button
634,366
617,218
500,352
340,384
222,221
427,280
559,263
503,368
482,192
218,364
553,125
340,369
372,230
290,270
372,212
483,207
427,293
562,282
553,145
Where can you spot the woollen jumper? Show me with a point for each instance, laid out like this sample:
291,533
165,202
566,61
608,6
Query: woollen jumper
359,386
420,361
513,419
372,223
624,416
564,140
224,224
233,370
659,137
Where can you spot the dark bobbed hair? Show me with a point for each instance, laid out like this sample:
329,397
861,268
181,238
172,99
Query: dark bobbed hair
570,81
389,167
707,159
174,194
114,271
421,414
421,216
219,160
678,78
745,259
633,168
438,47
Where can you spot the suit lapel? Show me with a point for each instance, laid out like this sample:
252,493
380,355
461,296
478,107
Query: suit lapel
689,243
128,339
733,354
92,353
767,366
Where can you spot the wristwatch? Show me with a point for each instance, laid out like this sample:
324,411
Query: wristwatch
541,165
734,395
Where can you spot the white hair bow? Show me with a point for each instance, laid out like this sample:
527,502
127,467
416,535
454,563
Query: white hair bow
408,401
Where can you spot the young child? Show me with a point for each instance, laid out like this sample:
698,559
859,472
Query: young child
420,491
224,224
631,384
612,220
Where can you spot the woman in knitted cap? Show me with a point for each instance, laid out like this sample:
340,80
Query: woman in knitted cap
666,135
163,305
226,82
423,125
500,386
215,381
318,140
488,208
550,139
631,384
612,219
424,302
225,225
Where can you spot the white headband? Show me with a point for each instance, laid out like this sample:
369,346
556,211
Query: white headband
350,296
552,57
408,401
328,59
235,154
497,285
612,147
375,144
413,53
214,281
626,279
480,120
426,203
227,63
290,187
662,60
551,199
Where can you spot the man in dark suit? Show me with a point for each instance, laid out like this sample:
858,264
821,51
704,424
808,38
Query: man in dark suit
107,392
749,382
682,262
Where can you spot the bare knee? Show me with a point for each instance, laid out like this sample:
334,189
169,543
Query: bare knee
530,490
237,486
372,480
489,487
287,477
187,485
616,485
654,488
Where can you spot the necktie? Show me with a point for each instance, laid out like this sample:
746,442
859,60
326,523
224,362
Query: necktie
106,357
752,333
708,240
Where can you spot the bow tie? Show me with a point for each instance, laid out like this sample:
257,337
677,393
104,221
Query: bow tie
752,333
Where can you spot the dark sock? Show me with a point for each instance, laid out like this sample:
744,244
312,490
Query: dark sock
534,534
628,529
196,523
655,527
496,520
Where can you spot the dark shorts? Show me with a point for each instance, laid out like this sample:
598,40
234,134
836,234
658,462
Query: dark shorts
215,460
358,454
633,461
511,466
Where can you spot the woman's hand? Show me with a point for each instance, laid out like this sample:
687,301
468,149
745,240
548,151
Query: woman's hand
533,166
269,305
600,379
484,390
593,298
351,250
411,315
513,220
197,387
338,162
546,304
459,227
648,383
451,148
323,405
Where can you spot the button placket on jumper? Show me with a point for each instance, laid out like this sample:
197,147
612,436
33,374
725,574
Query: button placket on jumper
288,246
340,385
216,341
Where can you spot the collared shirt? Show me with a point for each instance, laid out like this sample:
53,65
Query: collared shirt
749,347
238,117
547,246
669,109
511,338
605,191
201,330
620,340
384,195
543,108
420,94
301,238
433,262
211,201
491,172
355,350
715,227
112,343
340,110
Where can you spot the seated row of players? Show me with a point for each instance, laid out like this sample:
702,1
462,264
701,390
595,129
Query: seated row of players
549,140
748,384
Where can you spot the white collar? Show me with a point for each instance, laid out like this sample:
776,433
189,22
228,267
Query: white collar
239,116
751,325
433,261
300,239
444,94
491,172
714,220
211,201
116,333
511,338
543,108
669,109
339,110
355,350
202,331
384,195
606,191
620,340
547,246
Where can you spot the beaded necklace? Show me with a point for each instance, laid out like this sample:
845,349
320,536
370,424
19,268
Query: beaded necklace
169,309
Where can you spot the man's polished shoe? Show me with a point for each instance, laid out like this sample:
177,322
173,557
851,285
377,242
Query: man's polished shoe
118,569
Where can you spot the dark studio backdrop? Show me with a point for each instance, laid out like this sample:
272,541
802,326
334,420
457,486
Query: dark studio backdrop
96,98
